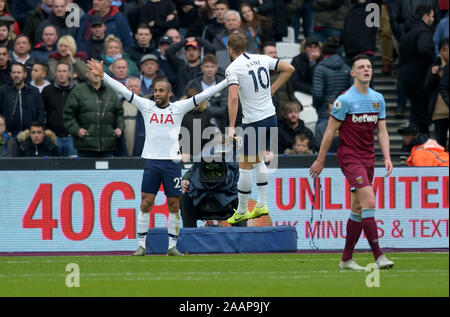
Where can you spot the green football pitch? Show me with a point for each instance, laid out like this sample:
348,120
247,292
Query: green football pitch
232,275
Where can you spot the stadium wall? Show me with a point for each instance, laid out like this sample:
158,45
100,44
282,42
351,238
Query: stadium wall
95,209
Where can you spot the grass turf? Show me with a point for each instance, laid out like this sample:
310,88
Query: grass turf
236,275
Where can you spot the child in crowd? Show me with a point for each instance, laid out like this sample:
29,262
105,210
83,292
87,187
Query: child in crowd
39,74
301,145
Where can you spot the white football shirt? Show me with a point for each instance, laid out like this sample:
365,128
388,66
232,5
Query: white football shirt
251,72
162,125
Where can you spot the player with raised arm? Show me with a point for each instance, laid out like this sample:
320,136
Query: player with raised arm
161,149
357,114
249,81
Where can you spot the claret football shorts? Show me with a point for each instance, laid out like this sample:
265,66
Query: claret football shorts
359,174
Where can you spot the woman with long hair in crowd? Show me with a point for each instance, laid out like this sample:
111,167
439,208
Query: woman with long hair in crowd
256,26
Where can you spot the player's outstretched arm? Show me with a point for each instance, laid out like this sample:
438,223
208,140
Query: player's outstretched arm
209,92
97,69
383,139
330,132
286,70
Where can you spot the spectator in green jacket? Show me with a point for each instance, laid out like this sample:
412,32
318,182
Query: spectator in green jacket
93,115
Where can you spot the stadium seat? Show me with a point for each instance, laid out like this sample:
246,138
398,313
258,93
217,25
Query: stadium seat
309,116
305,99
290,37
287,50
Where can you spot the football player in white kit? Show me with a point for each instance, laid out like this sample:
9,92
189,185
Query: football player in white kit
249,82
161,149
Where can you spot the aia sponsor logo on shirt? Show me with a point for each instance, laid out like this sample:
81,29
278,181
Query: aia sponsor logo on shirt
162,119
364,118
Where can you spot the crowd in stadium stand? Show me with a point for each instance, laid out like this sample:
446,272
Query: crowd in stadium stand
46,90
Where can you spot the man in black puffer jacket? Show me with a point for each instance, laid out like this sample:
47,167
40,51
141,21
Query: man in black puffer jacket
416,56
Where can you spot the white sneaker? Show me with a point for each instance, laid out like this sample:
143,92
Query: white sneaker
384,263
351,265
174,252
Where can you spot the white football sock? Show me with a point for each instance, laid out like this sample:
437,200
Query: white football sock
173,228
142,227
262,183
244,187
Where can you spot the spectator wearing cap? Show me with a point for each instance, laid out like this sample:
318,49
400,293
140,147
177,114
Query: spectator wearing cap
422,150
164,65
5,15
304,64
114,50
149,72
209,76
42,50
186,70
94,47
142,45
160,15
116,23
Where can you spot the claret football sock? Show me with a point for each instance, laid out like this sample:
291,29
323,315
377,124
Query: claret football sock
142,227
370,230
173,228
261,182
244,187
354,229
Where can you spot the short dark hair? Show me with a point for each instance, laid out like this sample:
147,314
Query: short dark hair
267,44
44,66
359,57
302,137
144,26
22,35
162,79
4,23
19,64
60,62
330,46
423,9
37,124
209,58
443,42
225,2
